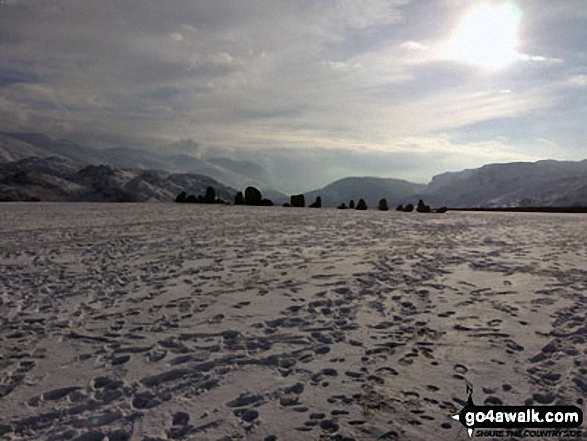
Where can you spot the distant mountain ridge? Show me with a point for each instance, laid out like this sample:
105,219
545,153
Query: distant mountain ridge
155,176
237,174
367,188
545,183
59,179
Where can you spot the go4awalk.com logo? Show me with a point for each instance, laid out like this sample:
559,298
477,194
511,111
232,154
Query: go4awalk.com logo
520,421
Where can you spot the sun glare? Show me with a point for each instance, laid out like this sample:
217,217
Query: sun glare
486,37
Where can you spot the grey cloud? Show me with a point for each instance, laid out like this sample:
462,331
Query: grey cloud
274,73
189,146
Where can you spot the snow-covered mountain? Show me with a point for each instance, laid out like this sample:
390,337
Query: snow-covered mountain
123,170
233,173
59,179
542,183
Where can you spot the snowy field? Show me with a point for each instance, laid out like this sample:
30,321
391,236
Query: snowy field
172,321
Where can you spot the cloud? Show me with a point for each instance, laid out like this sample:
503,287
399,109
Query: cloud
541,59
185,146
413,45
578,80
415,159
311,76
176,36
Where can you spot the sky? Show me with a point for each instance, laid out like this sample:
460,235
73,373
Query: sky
312,90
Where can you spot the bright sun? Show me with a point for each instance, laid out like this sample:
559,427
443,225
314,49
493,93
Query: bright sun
486,37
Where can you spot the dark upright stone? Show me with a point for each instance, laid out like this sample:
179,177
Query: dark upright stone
252,196
297,200
317,203
181,197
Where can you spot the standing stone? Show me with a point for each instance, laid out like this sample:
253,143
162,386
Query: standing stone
181,197
297,200
239,199
422,207
361,205
383,205
210,196
253,196
317,203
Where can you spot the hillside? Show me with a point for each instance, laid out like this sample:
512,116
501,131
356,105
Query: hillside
237,174
58,179
543,183
370,189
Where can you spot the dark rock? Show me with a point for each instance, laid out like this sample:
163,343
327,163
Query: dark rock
253,196
297,200
342,206
422,207
400,207
286,205
361,205
408,208
352,204
442,210
181,197
239,199
210,196
266,203
383,205
317,203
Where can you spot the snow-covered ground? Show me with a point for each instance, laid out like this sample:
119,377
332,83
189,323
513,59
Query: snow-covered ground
172,321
